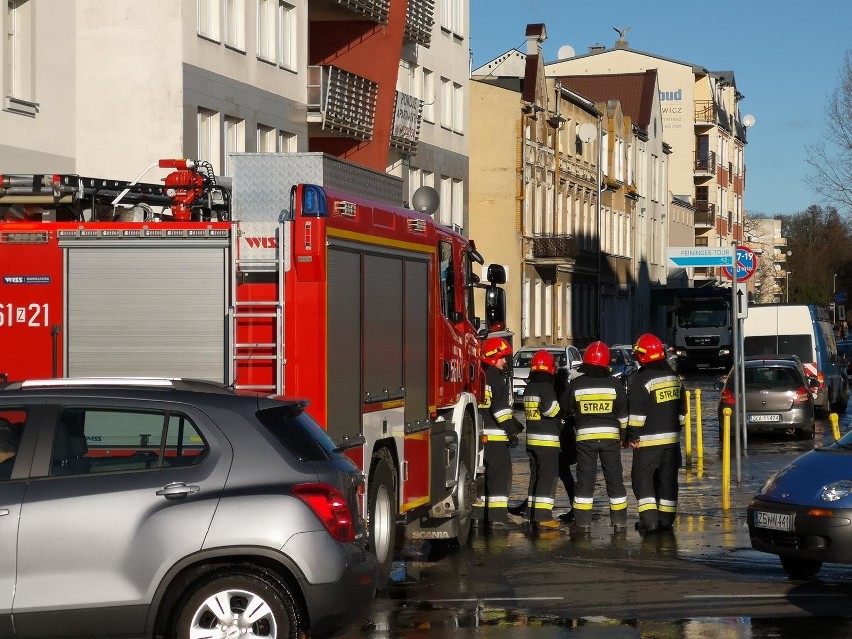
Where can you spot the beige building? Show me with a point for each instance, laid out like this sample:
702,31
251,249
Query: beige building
701,123
104,88
770,280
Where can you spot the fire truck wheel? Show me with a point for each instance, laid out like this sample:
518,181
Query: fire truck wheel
224,600
381,510
467,481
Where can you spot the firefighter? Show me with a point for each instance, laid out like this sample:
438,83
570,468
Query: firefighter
541,407
501,430
657,414
595,405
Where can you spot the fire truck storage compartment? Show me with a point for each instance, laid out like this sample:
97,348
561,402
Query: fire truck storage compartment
147,308
382,299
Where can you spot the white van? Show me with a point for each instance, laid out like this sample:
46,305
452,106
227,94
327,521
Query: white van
804,330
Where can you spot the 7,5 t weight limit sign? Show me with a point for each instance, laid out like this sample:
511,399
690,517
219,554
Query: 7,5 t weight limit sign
746,264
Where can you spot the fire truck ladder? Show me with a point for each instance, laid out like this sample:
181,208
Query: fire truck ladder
272,309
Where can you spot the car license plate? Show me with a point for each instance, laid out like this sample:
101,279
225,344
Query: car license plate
764,418
773,521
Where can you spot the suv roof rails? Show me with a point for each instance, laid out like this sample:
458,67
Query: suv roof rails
174,383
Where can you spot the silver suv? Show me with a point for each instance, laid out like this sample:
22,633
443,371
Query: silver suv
172,507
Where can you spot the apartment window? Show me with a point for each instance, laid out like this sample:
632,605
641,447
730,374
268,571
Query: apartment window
428,95
208,138
458,108
19,53
287,35
266,33
428,179
235,140
458,204
414,177
266,139
446,103
235,30
208,19
452,17
287,142
446,200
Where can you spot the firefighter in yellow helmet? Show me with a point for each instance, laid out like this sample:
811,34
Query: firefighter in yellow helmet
541,407
595,405
657,414
500,429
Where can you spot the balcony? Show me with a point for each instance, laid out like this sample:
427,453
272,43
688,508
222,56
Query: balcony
557,248
779,241
407,116
343,102
419,20
705,215
375,10
705,113
705,164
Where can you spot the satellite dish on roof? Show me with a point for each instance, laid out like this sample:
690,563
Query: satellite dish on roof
426,200
587,132
565,51
748,120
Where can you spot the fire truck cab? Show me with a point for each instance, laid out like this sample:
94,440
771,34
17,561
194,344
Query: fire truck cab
306,277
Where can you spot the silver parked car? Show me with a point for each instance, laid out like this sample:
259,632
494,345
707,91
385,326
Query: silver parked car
567,358
174,508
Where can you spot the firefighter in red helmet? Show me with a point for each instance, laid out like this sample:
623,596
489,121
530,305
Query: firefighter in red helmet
657,414
595,405
500,430
541,407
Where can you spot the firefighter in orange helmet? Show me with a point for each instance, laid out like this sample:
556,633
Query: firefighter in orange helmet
542,410
595,404
657,415
500,429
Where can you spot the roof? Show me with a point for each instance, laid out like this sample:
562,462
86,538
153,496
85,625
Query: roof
635,91
696,68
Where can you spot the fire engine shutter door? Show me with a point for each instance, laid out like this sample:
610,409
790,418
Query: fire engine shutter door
148,310
344,343
416,342
383,313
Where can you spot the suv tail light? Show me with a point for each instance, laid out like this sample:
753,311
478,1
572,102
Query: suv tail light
802,395
726,397
331,507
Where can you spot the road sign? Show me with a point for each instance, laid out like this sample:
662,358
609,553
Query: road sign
742,300
746,264
699,256
839,296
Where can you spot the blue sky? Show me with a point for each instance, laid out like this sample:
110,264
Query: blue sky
786,57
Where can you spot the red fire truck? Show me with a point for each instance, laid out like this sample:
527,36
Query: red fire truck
305,276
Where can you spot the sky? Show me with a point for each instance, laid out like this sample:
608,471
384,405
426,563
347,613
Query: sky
786,57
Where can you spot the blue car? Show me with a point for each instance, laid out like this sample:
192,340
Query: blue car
803,513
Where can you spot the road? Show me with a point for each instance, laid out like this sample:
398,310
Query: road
702,581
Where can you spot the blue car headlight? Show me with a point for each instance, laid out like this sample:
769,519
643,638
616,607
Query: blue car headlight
837,490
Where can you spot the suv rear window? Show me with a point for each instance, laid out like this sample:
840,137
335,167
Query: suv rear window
298,433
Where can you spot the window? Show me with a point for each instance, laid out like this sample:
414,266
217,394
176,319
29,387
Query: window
19,52
266,33
446,103
235,140
90,440
287,142
208,19
235,30
428,95
287,35
266,139
457,213
446,207
452,17
12,423
458,108
208,138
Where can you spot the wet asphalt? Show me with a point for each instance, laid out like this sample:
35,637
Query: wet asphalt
522,584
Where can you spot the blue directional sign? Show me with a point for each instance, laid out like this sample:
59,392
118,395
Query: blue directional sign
699,256
746,264
839,296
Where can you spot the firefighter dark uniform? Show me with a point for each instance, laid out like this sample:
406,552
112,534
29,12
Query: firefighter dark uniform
542,412
500,429
657,414
595,403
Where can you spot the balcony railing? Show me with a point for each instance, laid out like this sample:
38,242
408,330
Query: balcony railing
705,112
376,10
705,162
555,246
419,20
345,102
705,214
407,116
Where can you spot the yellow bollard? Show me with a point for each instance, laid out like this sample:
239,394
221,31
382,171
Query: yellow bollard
835,425
699,436
688,427
726,458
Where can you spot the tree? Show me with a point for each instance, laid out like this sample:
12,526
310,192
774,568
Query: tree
831,157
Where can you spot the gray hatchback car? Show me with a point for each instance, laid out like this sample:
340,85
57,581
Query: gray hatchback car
173,508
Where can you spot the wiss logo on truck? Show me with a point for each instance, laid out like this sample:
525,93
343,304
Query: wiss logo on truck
324,288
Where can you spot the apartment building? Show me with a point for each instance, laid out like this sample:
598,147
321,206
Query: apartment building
770,281
105,88
701,123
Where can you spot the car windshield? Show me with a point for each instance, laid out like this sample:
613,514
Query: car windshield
703,316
